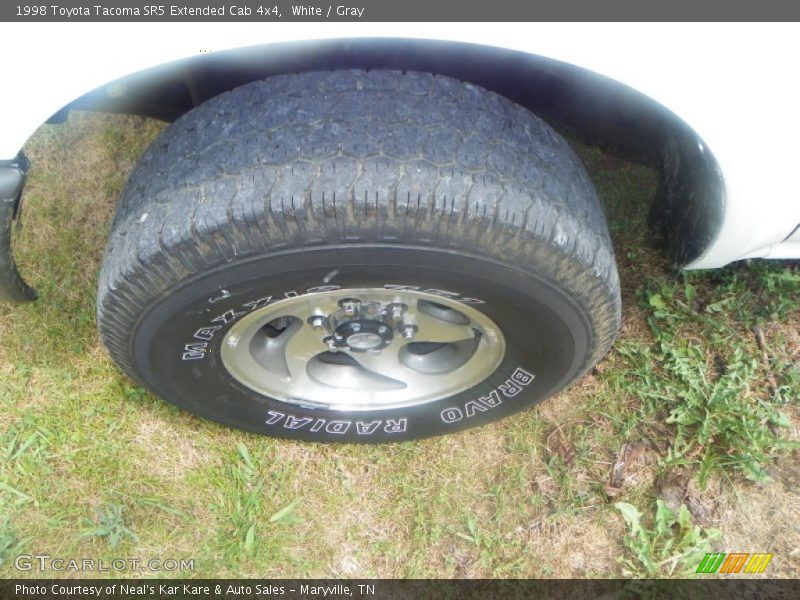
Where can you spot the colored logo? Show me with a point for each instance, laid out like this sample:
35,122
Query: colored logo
741,562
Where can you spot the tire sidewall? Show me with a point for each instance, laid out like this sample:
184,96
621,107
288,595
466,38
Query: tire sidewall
176,341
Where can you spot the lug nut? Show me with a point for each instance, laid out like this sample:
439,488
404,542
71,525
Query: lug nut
317,321
350,305
331,343
396,311
409,331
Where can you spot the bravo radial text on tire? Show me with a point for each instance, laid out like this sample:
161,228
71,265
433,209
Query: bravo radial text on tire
357,256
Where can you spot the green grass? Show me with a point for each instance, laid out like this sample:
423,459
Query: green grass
91,466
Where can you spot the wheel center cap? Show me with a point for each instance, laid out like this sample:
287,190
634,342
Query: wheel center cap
364,341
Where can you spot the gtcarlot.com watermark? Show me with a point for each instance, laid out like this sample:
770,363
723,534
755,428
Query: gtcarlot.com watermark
47,563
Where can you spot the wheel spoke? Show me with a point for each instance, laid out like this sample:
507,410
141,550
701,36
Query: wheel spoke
340,370
431,329
385,363
303,345
438,359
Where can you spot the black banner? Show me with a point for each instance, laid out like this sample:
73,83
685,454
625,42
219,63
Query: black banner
397,10
246,589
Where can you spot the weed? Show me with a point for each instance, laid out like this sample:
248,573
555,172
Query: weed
286,514
248,487
111,525
8,540
673,547
749,292
248,504
722,421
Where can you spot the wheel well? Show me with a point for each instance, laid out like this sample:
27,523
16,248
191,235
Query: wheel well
687,210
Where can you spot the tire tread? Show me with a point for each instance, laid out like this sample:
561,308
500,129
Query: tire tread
355,157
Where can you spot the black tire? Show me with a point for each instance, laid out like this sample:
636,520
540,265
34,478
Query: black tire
371,178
